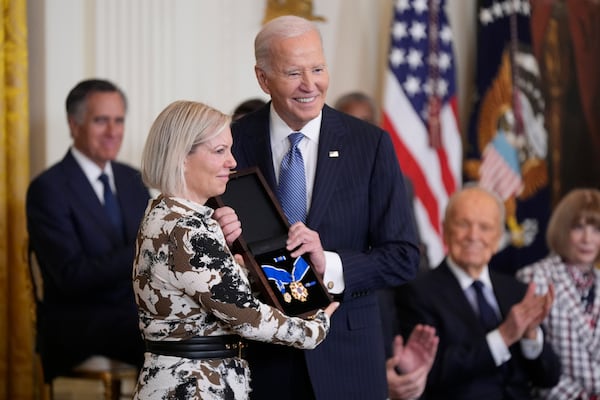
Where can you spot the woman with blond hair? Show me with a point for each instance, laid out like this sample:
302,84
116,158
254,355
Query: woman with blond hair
194,299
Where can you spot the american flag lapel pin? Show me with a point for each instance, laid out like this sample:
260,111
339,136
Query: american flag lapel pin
333,154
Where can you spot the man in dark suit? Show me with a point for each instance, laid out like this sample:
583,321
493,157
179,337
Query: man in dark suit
491,344
357,213
85,257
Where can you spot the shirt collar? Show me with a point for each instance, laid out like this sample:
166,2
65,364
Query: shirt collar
464,279
280,130
192,205
90,169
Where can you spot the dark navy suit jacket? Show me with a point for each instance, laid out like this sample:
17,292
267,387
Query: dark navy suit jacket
88,306
464,367
360,211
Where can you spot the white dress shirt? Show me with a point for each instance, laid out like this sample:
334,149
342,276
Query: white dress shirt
309,147
92,172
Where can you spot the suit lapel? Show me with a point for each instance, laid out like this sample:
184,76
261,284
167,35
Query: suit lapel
82,193
257,146
330,161
452,296
507,292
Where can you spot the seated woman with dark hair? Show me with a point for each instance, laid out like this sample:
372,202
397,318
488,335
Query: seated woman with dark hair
573,237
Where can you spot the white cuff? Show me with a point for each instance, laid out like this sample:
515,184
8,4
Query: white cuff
532,348
497,347
333,278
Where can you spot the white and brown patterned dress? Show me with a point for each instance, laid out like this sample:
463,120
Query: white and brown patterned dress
187,284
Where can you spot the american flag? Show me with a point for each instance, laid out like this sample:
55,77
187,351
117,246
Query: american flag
500,170
420,112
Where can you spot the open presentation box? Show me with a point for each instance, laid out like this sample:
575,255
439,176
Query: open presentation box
289,284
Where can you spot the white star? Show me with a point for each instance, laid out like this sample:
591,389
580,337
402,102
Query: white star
417,31
402,5
526,7
397,57
414,58
507,6
412,85
427,87
497,10
485,16
399,30
517,6
425,112
420,6
446,34
444,61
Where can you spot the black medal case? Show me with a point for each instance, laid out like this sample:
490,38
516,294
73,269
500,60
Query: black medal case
291,285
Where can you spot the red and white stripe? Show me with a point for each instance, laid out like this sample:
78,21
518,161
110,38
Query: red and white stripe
497,175
435,173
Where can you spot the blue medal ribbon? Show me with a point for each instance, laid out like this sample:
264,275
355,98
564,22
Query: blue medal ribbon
281,277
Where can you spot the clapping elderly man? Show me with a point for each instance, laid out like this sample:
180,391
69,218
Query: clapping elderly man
491,345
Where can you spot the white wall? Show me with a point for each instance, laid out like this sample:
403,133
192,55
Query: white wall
162,50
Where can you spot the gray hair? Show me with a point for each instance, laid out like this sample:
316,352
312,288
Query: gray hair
175,133
474,186
283,27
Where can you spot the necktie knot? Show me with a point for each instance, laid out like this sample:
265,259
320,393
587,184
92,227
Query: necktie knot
104,179
295,138
478,286
487,315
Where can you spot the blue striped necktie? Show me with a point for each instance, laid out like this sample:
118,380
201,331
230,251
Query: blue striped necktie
110,204
292,181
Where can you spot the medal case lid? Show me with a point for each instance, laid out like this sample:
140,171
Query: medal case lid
264,233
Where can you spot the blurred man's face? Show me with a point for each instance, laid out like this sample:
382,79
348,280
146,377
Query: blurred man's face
297,80
98,132
472,230
361,110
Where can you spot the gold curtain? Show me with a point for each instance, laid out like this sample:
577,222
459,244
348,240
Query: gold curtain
16,329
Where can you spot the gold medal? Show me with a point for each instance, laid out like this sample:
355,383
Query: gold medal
298,290
287,297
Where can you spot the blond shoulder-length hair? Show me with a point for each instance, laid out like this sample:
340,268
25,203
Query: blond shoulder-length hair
579,206
175,133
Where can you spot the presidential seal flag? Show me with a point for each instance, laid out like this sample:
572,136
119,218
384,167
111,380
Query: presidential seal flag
420,112
507,139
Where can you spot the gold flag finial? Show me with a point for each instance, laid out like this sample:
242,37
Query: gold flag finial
300,8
